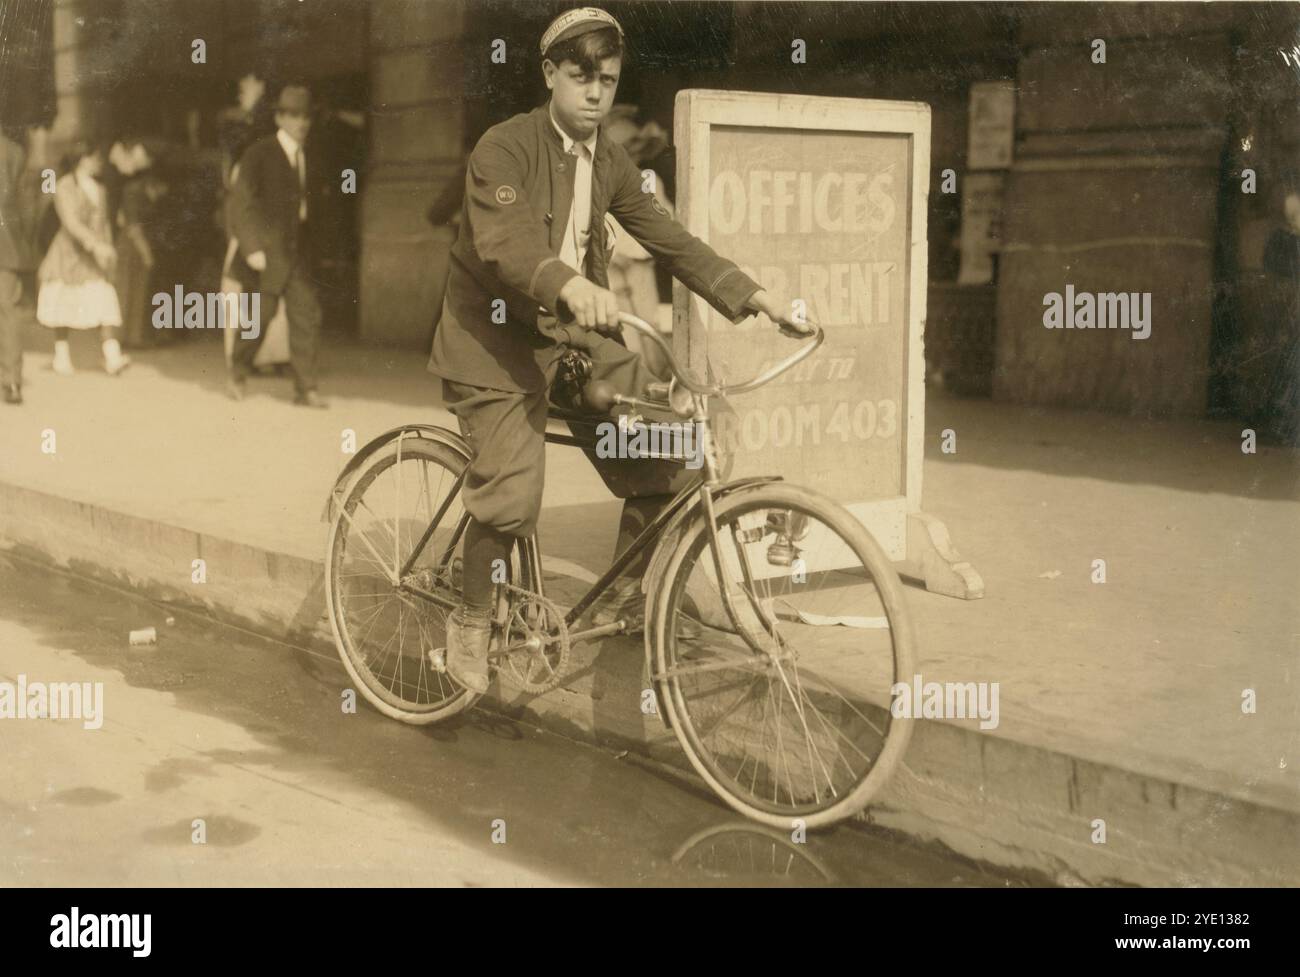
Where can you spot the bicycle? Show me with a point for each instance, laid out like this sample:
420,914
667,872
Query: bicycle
775,625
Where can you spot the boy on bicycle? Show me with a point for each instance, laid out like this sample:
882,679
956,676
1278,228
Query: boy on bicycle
533,243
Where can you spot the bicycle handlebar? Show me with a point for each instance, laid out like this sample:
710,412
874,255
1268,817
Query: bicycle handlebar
687,380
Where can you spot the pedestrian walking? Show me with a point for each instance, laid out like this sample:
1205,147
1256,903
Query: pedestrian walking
271,206
76,275
631,269
1282,266
141,191
15,258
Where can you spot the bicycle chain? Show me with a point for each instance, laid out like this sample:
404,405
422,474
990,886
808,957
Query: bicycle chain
553,673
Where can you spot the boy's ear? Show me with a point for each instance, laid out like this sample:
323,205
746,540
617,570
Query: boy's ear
548,72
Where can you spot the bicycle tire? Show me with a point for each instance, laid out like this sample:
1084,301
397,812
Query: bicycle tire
668,601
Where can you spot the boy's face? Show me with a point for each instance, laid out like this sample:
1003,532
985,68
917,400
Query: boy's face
580,100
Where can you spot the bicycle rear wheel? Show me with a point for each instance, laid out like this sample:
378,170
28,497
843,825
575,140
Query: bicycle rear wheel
400,530
782,702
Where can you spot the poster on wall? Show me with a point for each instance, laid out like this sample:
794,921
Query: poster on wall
992,127
981,227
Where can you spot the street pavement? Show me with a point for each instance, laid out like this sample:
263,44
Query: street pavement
1146,672
250,736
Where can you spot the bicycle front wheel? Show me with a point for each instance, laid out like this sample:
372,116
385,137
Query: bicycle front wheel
780,695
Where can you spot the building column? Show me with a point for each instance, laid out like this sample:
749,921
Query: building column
1114,189
417,134
81,101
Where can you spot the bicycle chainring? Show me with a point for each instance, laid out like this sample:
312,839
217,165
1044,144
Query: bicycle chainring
539,622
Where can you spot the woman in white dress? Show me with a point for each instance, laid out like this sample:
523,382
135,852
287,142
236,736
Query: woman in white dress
76,277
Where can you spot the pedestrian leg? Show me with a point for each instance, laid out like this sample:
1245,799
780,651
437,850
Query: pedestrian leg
11,337
304,313
245,348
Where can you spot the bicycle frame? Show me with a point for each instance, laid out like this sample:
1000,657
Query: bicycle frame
708,486
708,490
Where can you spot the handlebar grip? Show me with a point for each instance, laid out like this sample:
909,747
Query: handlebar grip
565,317
658,390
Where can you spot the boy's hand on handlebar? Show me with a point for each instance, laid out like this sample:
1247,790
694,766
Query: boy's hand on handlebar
782,313
591,306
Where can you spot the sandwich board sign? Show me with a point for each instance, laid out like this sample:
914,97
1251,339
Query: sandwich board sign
821,200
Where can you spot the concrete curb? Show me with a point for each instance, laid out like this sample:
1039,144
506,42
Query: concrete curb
982,794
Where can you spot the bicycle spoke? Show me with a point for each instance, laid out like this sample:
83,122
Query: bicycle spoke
401,611
409,493
383,649
784,708
390,573
397,505
804,724
375,614
830,779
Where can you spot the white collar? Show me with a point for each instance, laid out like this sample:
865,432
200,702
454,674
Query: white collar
569,141
287,143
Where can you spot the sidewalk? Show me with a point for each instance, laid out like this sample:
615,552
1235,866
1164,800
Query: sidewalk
1119,701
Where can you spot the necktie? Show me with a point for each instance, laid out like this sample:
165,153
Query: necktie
580,212
301,166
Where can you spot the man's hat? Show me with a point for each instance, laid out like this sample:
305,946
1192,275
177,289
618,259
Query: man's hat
294,98
572,23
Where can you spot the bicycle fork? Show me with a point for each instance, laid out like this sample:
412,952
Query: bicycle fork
709,451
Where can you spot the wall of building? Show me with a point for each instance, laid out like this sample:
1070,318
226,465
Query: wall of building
27,67
1256,376
1116,188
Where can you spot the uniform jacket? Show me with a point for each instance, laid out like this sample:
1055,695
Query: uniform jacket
518,191
15,246
263,213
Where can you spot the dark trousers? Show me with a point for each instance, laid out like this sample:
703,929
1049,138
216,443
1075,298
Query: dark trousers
11,329
304,314
506,432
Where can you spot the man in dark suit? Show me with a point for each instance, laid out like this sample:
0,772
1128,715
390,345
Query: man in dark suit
15,258
271,205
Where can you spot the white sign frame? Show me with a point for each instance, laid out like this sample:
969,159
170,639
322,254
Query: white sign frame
906,534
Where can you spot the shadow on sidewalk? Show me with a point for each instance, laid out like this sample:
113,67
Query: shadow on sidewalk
1187,454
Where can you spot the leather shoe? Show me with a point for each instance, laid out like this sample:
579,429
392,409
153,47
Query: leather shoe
13,393
235,389
466,654
310,398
